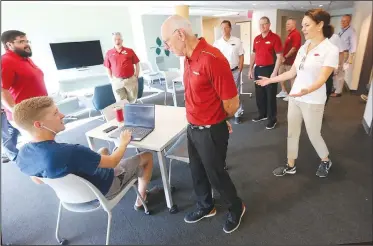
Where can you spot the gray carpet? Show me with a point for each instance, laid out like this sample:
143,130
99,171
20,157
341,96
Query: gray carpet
299,209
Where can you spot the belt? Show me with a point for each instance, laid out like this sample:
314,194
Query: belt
235,68
204,127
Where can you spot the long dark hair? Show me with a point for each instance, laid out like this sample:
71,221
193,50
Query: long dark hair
318,15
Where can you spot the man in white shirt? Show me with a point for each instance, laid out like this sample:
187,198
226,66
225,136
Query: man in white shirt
232,49
349,41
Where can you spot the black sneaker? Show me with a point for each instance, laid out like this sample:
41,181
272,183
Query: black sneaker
283,170
259,118
234,220
199,214
271,124
4,159
324,168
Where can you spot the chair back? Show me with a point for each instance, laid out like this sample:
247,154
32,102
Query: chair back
73,189
161,65
103,96
146,67
109,112
140,91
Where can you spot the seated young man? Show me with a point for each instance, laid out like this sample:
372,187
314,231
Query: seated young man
44,157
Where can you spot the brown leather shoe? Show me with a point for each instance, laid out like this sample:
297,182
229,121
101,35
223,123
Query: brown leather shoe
335,95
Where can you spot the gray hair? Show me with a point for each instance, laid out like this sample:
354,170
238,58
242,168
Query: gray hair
179,22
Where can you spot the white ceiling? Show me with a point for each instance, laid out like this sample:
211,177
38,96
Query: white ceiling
211,8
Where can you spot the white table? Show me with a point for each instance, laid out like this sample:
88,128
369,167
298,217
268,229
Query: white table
170,123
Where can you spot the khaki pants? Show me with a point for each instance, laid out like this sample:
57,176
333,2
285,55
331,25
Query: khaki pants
312,115
125,88
285,68
339,80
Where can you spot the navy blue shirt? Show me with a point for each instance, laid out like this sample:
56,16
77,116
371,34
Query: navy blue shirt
49,159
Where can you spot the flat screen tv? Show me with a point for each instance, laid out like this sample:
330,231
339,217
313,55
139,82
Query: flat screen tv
77,54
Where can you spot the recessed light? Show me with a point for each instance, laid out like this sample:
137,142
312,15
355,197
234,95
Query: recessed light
254,4
320,5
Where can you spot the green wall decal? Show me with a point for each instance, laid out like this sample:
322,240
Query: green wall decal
158,49
167,52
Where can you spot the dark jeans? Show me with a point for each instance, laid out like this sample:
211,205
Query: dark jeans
207,150
266,95
329,87
9,137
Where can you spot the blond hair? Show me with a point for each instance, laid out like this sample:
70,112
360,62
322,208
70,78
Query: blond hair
30,110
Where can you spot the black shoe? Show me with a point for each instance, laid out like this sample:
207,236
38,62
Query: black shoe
324,168
283,170
234,220
271,124
259,118
237,120
4,159
199,214
225,167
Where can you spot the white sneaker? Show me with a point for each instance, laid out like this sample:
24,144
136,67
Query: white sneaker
286,98
282,94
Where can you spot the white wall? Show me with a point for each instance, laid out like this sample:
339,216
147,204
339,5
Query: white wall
340,12
47,22
152,30
361,23
368,108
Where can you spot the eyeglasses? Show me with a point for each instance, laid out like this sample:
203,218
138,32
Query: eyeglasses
22,41
166,41
301,65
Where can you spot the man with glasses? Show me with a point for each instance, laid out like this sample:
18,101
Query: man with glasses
20,79
120,63
210,98
267,56
232,49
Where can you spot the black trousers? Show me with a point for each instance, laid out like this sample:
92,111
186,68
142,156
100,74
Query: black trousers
329,87
207,149
266,95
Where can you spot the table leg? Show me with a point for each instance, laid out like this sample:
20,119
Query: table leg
167,189
90,143
174,93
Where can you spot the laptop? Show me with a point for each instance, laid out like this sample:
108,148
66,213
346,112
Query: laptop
139,119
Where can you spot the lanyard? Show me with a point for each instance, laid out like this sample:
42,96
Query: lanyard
340,34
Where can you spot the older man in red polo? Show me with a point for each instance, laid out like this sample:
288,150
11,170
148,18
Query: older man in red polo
123,69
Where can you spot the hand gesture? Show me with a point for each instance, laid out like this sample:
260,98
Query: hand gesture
125,137
263,81
299,94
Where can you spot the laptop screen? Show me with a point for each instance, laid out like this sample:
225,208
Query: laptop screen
141,115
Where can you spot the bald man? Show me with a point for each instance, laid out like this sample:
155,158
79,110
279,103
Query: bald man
123,69
210,98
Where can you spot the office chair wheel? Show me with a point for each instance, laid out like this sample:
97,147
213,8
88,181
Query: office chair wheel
174,209
63,242
173,188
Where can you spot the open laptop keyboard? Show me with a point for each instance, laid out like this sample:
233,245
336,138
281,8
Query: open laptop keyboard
136,131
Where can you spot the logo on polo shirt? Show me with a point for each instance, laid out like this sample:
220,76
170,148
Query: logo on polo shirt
196,73
124,52
268,42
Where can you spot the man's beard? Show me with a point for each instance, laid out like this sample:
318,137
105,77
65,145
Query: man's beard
23,53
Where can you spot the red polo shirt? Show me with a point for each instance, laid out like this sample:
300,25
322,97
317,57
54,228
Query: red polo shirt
121,63
208,80
293,40
266,48
21,77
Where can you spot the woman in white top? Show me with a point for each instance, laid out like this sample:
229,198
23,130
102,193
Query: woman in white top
315,62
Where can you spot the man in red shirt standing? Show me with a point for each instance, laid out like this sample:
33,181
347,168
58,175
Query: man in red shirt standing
210,97
292,45
20,79
120,62
267,47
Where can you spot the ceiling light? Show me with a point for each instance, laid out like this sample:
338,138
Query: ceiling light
254,4
226,14
320,5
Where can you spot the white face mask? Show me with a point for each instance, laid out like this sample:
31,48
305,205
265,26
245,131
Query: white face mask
55,133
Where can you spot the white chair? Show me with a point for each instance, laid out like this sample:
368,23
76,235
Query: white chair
179,151
79,195
171,78
109,113
149,74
